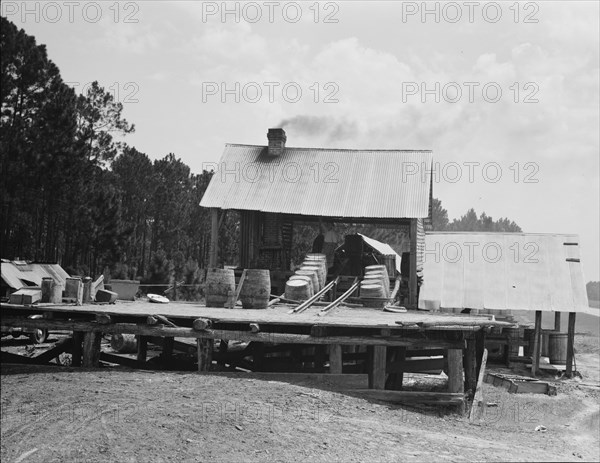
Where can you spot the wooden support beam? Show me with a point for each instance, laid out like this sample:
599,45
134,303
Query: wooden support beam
335,359
477,406
77,348
537,344
411,397
557,321
470,366
412,279
119,360
479,348
142,349
570,344
396,368
378,367
61,346
91,349
279,338
205,353
455,371
258,355
214,238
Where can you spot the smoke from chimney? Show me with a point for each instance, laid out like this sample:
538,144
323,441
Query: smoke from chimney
330,128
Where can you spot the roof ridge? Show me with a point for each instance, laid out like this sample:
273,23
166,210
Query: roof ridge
334,149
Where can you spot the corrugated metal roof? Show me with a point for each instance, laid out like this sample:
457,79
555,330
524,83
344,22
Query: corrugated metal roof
384,249
323,182
503,271
14,274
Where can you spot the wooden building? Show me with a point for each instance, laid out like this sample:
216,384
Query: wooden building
274,187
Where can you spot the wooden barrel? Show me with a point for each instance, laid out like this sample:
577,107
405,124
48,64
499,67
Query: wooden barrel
314,277
298,290
256,289
220,286
320,259
557,348
544,340
57,293
123,343
320,274
302,277
321,263
382,276
369,291
514,336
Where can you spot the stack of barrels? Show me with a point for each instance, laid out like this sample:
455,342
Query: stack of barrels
308,279
254,294
376,283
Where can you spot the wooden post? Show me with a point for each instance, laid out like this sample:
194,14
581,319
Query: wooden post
142,349
205,351
412,280
470,366
378,367
455,371
479,349
258,355
557,321
537,345
570,344
223,348
76,349
91,349
335,359
87,290
214,238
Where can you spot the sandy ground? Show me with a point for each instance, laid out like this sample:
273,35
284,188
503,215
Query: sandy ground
118,415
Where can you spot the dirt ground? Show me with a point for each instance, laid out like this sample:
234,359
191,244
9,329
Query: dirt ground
119,415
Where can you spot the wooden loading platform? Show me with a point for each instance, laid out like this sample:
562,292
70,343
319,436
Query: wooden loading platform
387,336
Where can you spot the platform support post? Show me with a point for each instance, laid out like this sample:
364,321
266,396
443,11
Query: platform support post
91,349
335,359
470,365
557,321
571,344
205,353
214,238
455,371
76,349
537,345
142,349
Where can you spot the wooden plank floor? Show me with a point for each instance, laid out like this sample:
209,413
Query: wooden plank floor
277,315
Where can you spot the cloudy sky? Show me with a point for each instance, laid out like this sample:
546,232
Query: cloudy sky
506,94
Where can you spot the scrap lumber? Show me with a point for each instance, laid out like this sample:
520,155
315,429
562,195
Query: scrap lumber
411,397
306,304
96,286
477,405
520,384
340,299
26,296
231,303
119,360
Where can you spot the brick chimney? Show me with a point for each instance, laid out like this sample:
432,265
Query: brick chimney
277,141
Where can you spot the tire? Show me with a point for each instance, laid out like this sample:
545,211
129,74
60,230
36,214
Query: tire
39,336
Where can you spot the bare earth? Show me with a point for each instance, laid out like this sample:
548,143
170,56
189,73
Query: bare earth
113,414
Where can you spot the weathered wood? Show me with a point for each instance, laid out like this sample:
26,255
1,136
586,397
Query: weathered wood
410,397
96,286
306,304
214,238
165,320
378,367
537,345
335,359
61,346
570,343
77,348
238,290
150,320
479,348
412,278
557,321
205,351
201,324
91,349
26,296
283,338
142,349
470,366
397,366
477,406
455,371
329,308
103,318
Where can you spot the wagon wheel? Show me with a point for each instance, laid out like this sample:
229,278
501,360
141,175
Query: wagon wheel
39,336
